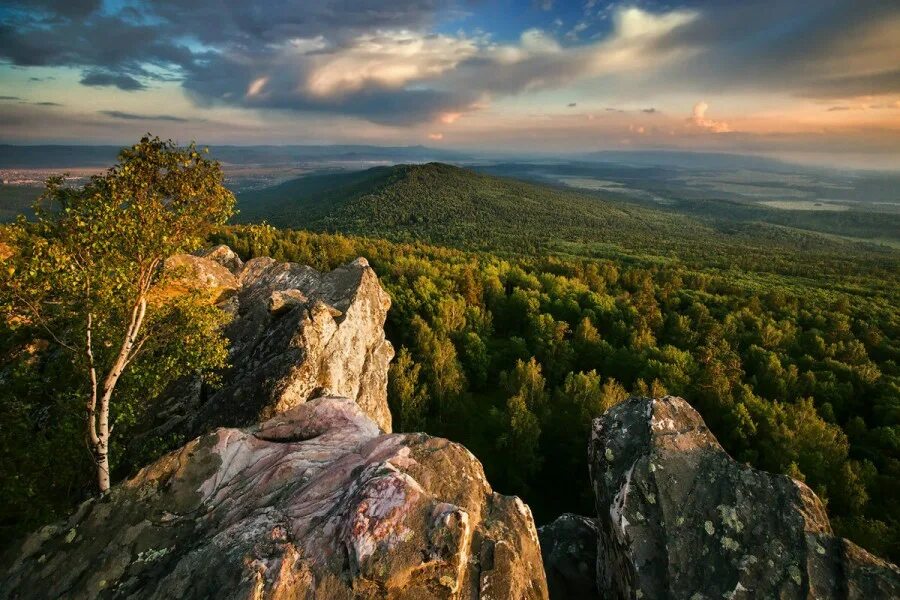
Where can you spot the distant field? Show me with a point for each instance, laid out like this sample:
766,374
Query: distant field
855,205
805,205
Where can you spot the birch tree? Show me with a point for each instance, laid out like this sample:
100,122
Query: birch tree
86,275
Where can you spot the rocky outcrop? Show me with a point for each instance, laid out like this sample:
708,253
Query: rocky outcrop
296,334
680,519
224,256
314,503
569,550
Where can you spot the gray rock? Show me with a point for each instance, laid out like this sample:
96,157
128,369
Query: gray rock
569,550
296,334
315,503
680,519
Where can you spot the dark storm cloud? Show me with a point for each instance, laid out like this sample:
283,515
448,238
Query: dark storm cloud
46,103
649,111
9,98
125,116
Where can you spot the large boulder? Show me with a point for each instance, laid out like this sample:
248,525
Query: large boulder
569,550
296,334
680,519
314,503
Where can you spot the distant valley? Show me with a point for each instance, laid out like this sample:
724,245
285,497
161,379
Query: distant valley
862,205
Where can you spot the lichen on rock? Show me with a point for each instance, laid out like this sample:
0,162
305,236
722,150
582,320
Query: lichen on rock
678,517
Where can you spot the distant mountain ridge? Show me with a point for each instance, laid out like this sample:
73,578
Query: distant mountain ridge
449,205
51,156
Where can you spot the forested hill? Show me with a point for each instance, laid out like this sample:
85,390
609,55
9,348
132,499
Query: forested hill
440,203
448,205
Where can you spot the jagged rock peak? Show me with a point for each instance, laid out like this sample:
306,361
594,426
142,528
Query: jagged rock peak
679,518
314,503
296,334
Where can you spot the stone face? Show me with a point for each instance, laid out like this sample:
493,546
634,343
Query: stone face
314,503
569,550
296,334
680,519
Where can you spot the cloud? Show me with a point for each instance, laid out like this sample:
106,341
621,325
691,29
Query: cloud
120,80
256,86
572,104
67,8
407,76
376,59
649,111
10,98
698,117
867,105
386,60
435,136
809,48
126,116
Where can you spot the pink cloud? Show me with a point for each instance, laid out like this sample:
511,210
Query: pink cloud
698,118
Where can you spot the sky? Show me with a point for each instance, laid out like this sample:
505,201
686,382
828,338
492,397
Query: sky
811,80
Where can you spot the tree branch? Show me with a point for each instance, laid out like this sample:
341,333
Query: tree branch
36,313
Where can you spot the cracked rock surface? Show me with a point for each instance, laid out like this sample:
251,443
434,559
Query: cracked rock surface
313,503
678,518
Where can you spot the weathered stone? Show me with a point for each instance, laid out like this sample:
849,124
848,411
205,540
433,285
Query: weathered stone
192,273
282,301
296,334
569,550
315,503
223,255
680,519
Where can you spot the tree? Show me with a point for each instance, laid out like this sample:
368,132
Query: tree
88,275
527,381
406,391
521,440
